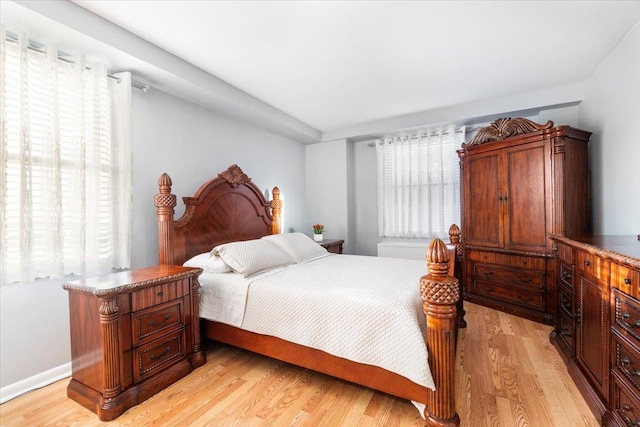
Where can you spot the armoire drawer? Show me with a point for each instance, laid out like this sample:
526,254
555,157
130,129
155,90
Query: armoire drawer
510,294
514,276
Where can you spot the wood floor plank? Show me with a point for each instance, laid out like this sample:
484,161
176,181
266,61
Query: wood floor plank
507,374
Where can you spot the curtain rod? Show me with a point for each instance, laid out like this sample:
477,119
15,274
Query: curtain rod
39,47
467,129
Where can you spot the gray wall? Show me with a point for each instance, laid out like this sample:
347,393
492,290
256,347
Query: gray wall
192,145
611,110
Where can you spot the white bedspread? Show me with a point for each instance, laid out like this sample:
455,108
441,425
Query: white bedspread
366,309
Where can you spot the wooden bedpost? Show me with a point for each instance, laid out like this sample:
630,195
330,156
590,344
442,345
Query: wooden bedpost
454,240
165,202
440,293
276,211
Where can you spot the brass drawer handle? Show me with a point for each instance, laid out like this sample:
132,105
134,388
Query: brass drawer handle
160,294
152,322
587,263
627,281
160,356
565,276
626,316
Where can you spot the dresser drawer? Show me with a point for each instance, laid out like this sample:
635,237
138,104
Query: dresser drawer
626,360
510,294
158,319
566,274
625,279
593,265
159,294
565,303
626,316
565,253
158,354
518,261
565,326
625,404
508,276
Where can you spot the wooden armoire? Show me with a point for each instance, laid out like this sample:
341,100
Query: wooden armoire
521,182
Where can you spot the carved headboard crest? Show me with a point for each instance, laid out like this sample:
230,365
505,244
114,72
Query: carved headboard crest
505,128
234,176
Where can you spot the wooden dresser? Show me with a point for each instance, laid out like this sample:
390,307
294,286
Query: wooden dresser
598,325
521,181
132,334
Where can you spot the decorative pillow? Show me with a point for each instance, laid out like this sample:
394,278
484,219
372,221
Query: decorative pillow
298,246
208,263
252,256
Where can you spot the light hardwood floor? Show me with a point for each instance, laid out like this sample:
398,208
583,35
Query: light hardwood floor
508,374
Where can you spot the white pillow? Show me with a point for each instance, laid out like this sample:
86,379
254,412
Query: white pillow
252,256
298,246
208,263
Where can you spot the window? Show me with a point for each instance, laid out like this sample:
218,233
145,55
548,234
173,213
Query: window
65,165
419,184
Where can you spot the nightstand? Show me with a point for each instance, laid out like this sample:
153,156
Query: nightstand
333,246
132,334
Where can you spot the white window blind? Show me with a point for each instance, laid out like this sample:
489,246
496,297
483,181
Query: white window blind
65,165
419,184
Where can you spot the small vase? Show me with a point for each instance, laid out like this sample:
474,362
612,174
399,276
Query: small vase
318,237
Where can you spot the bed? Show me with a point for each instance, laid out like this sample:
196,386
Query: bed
230,211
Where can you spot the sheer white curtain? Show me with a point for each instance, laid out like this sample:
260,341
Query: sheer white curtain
65,165
419,183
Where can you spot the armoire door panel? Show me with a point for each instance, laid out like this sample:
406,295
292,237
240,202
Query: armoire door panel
526,227
482,202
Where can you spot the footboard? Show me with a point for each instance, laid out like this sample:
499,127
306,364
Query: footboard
440,293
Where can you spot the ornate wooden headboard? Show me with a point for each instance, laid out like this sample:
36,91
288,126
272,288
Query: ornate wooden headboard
224,209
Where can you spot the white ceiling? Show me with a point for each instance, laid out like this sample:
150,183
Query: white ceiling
334,65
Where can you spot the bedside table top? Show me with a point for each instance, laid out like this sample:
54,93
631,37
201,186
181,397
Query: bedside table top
131,279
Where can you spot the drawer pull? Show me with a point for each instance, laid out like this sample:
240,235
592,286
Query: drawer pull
626,317
524,298
626,362
587,263
627,281
160,356
152,322
565,276
626,409
527,280
565,304
160,294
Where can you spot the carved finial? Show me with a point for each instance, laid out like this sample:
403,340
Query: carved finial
164,199
438,258
276,211
454,234
234,176
504,128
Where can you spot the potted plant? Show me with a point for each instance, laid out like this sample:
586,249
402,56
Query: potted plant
318,229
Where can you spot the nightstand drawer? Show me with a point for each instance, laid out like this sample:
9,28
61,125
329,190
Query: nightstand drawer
155,356
159,294
159,319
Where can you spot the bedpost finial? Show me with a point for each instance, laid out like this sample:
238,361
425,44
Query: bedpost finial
454,234
276,211
438,258
165,181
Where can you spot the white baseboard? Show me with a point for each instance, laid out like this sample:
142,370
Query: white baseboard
37,381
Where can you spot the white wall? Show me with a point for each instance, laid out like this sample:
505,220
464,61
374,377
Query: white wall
611,110
192,145
327,185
